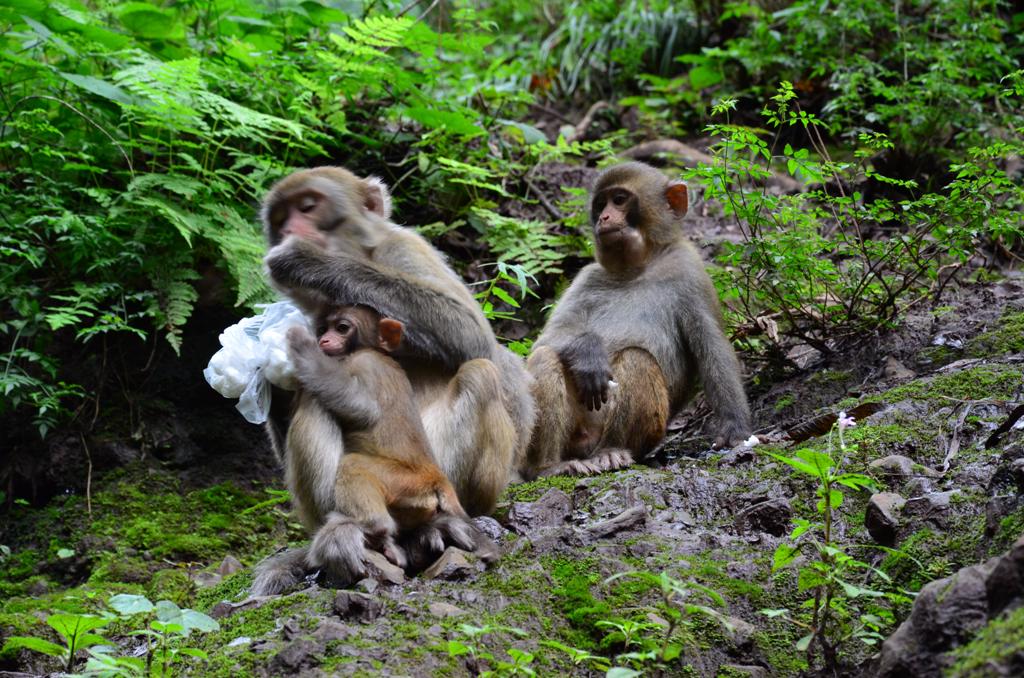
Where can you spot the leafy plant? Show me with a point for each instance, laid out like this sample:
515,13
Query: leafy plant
827,572
76,630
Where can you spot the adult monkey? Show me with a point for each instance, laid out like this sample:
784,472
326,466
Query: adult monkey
333,243
645,315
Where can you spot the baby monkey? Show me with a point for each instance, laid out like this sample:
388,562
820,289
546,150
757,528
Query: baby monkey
386,491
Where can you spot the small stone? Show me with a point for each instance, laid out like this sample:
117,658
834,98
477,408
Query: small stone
489,526
240,640
894,465
739,631
894,369
357,606
939,501
226,608
205,580
551,510
295,656
383,570
451,566
772,516
229,565
331,629
445,610
367,585
917,487
882,516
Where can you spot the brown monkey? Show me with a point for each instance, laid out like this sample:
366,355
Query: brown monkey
359,467
645,315
332,242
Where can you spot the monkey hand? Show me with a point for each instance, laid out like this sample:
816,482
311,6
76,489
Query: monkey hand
586,360
307,359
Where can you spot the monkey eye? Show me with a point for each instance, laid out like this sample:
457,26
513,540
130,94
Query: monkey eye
344,327
321,330
306,204
619,198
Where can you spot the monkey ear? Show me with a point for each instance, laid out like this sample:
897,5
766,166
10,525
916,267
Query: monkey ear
677,199
390,334
377,198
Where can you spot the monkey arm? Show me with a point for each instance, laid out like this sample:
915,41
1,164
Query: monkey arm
719,372
586,359
439,326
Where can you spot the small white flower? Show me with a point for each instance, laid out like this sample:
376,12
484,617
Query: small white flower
846,422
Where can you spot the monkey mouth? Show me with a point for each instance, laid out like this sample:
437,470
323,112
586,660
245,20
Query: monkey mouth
606,231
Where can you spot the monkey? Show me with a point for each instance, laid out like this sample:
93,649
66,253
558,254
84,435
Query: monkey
332,242
359,467
632,336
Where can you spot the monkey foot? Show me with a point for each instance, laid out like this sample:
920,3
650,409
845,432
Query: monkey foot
604,460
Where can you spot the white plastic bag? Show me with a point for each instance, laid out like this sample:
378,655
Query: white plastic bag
255,355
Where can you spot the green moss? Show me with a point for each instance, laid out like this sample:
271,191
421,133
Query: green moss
1010,529
533,490
828,376
779,648
1007,337
997,645
976,383
784,402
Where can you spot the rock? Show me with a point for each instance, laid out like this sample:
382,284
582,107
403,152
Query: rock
631,517
917,487
358,606
205,580
331,629
367,585
948,613
551,510
383,570
772,516
894,465
739,632
894,369
882,517
489,526
226,608
939,501
297,655
737,456
229,565
744,670
453,565
445,610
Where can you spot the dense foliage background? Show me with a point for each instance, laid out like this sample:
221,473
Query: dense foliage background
867,152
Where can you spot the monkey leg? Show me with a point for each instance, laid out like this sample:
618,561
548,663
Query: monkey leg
557,411
636,421
472,435
279,572
363,492
628,427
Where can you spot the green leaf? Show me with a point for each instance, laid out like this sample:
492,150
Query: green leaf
504,296
105,89
192,619
784,555
36,645
150,21
531,135
72,625
445,120
702,77
127,604
621,672
65,553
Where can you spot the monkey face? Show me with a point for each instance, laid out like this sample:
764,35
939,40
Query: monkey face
343,330
327,206
337,334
